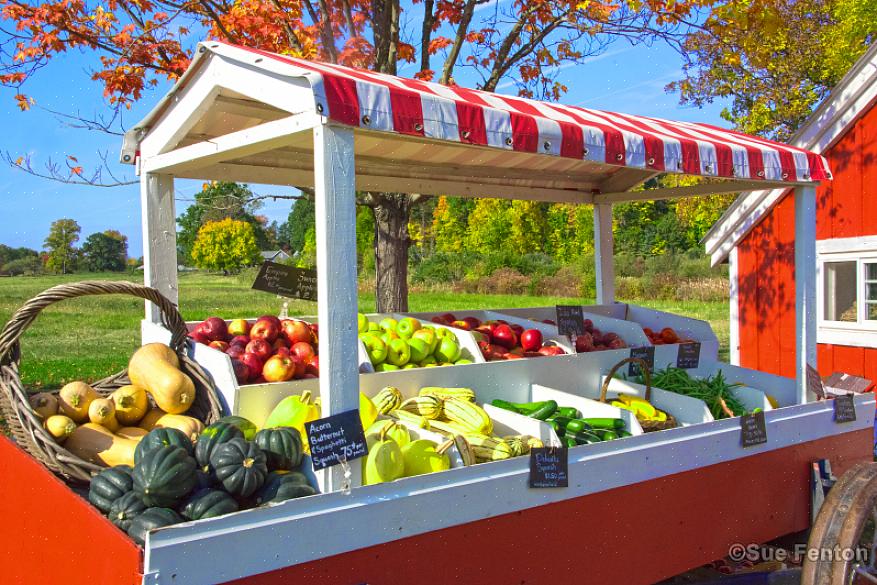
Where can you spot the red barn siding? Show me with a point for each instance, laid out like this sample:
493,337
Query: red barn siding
846,207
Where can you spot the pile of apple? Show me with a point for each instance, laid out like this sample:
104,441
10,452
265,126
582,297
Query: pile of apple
267,350
595,340
501,340
407,343
665,336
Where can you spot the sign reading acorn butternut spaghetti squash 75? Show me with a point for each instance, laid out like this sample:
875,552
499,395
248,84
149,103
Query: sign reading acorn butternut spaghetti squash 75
287,281
335,439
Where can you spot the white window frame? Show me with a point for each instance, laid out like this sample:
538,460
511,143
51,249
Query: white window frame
861,250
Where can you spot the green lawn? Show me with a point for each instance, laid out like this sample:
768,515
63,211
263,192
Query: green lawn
92,337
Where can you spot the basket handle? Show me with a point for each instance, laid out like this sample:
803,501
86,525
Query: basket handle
644,368
9,347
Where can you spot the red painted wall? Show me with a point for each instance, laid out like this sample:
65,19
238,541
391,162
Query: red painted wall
846,207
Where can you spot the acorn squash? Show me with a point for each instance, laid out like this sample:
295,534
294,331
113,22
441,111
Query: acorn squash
208,503
161,437
125,509
240,466
151,519
164,476
282,447
290,491
246,426
274,481
210,438
109,485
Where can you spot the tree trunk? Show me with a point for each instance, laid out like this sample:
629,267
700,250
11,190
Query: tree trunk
392,211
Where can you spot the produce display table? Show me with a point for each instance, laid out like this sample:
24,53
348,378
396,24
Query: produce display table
637,509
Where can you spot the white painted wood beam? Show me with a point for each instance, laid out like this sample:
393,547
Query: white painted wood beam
604,251
159,239
805,285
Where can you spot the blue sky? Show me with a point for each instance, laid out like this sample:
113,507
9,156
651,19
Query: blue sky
625,78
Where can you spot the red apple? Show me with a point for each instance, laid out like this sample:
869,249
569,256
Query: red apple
220,345
295,331
617,343
584,342
303,351
254,363
551,350
241,371
517,329
589,325
461,325
284,351
531,340
498,350
309,376
472,321
272,318
279,343
300,368
279,368
512,356
259,380
265,329
214,328
260,348
236,351
240,340
486,331
239,327
518,350
313,366
199,337
533,354
449,317
504,336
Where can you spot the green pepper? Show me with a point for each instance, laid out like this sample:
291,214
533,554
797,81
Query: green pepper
583,437
577,425
547,409
610,424
568,411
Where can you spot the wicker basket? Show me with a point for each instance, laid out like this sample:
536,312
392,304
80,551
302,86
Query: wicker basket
26,426
647,425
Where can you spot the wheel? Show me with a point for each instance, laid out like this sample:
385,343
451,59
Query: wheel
840,550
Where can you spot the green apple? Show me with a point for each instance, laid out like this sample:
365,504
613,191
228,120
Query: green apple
407,327
462,361
428,361
419,349
431,366
398,352
373,327
443,333
447,364
362,322
385,367
428,335
409,366
389,336
448,350
388,324
375,347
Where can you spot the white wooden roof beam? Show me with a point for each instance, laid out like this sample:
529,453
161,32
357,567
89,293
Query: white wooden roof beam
674,192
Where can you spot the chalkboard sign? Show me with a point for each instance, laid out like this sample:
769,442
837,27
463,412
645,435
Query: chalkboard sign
847,382
689,355
844,408
814,382
646,354
570,320
549,467
287,281
753,429
336,438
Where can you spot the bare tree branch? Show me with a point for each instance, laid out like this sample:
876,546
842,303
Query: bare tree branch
69,173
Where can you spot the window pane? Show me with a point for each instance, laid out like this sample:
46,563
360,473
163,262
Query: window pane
872,312
871,271
840,291
871,291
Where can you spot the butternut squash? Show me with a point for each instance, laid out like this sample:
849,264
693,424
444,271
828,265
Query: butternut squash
96,444
133,433
131,404
60,427
44,404
74,400
103,412
156,367
191,427
150,418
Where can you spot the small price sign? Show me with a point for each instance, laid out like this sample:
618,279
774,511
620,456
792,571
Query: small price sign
570,320
844,408
814,382
335,439
549,467
647,354
689,355
287,281
753,429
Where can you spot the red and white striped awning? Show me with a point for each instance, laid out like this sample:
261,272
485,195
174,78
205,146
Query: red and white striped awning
386,103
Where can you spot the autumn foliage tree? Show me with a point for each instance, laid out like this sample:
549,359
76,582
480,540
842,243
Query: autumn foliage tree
138,44
227,245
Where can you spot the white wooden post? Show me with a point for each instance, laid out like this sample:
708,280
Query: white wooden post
336,276
734,308
805,285
159,239
604,252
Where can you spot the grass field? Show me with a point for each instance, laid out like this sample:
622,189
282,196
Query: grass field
89,338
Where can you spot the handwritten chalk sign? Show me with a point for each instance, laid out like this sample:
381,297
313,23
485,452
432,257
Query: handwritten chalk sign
753,429
335,439
814,383
847,382
844,408
549,467
287,281
689,355
570,320
647,354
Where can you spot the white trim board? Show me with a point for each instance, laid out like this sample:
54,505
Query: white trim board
853,96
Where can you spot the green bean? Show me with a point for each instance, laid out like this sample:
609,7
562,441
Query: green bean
713,390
